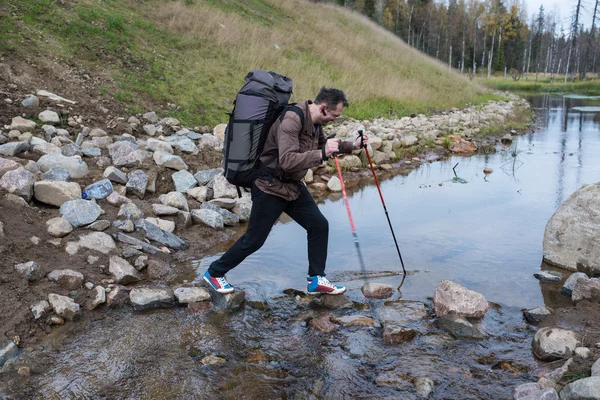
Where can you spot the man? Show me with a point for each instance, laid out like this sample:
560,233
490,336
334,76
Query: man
291,148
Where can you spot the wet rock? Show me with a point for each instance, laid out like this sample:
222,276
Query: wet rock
339,301
122,271
400,312
394,334
586,388
170,240
186,295
423,386
40,309
586,289
452,297
98,241
208,217
322,323
63,306
488,170
377,290
212,360
548,276
231,301
56,193
397,381
507,139
459,327
567,287
80,212
56,320
537,314
334,184
552,343
118,296
31,270
158,269
150,298
18,182
67,278
76,166
137,183
7,351
354,320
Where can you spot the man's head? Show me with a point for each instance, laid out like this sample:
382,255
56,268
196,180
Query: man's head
331,102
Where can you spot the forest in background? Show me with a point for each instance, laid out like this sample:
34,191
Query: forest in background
480,38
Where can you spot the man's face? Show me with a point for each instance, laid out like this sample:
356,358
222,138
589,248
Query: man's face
331,115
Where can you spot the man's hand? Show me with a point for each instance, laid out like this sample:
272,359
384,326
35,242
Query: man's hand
332,146
357,142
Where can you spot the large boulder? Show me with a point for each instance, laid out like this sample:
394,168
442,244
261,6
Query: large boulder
56,193
19,182
75,165
552,343
572,236
452,297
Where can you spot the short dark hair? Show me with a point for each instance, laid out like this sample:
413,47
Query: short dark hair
331,97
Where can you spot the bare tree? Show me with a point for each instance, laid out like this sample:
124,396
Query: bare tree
573,36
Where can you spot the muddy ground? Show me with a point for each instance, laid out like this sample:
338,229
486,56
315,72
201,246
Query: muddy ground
25,237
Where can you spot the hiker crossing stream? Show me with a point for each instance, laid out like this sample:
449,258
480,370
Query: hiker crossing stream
452,221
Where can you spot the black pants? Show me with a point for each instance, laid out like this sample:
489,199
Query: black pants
265,211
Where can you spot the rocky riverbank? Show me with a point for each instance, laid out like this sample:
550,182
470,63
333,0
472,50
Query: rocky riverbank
164,200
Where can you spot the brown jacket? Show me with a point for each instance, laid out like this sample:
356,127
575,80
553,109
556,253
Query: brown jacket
293,152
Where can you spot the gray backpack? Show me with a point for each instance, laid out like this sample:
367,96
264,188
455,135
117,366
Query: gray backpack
263,98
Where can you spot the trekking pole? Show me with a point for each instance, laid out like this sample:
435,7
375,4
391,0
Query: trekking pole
337,164
364,146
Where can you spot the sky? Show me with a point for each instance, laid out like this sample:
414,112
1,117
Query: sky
564,8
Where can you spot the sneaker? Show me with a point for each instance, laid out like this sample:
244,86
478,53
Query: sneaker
219,284
319,284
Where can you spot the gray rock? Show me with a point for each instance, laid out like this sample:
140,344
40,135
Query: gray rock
229,218
56,193
63,306
80,212
118,296
377,290
12,149
161,209
552,343
125,226
170,240
148,298
582,389
70,150
231,301
546,276
183,181
31,102
537,314
177,200
59,227
459,327
183,143
452,297
57,174
222,188
137,183
151,117
130,211
31,270
49,117
393,334
204,177
68,278
586,289
186,295
567,287
122,271
158,269
150,129
45,148
167,160
596,368
92,152
115,175
76,166
525,389
423,386
208,217
18,182
227,204
243,208
146,247
572,235
7,165
7,351
122,154
198,193
164,224
98,241
99,297
40,309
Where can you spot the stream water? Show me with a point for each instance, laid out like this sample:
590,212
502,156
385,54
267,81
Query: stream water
451,222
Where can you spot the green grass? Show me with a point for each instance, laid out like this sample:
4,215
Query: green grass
543,85
195,53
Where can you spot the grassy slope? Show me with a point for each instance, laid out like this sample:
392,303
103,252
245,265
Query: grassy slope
195,53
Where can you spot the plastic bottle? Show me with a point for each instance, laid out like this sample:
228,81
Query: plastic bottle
97,190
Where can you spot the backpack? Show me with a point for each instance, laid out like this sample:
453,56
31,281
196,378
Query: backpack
263,98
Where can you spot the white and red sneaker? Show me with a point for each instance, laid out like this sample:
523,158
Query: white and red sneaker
219,284
319,284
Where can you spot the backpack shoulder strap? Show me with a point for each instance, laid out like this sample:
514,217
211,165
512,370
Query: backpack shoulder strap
294,108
